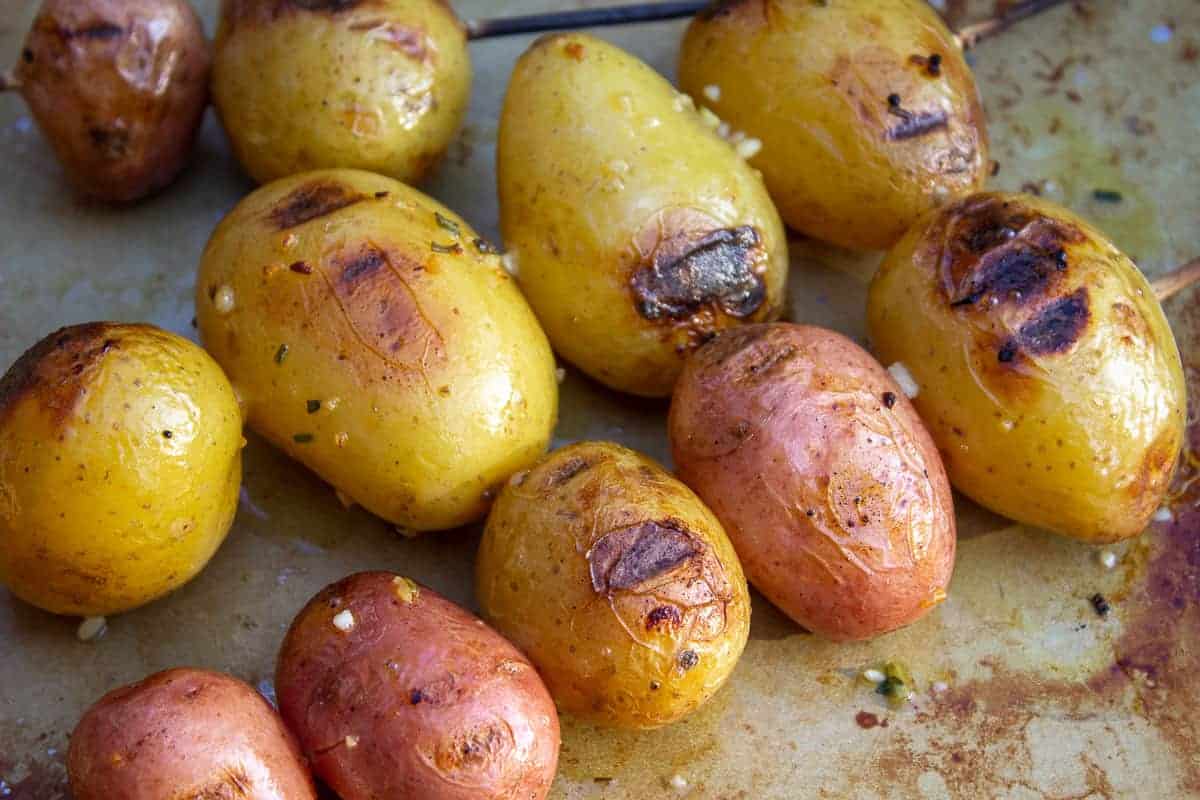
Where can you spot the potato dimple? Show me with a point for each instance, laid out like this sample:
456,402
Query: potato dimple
312,201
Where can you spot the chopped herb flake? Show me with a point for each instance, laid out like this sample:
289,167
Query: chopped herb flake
380,195
281,354
302,438
447,224
313,406
455,248
1107,196
1100,603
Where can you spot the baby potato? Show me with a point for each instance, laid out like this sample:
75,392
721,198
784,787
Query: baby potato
380,85
375,338
637,231
119,88
617,582
185,734
120,464
866,109
1047,371
831,490
396,692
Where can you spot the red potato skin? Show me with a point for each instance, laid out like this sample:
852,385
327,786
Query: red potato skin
820,470
186,734
119,88
418,699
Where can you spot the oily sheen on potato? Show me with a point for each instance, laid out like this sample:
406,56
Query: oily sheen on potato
120,464
638,232
119,88
1048,374
617,582
395,691
819,468
374,337
311,84
185,734
866,109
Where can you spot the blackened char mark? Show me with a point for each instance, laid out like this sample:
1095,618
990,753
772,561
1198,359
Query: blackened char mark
1054,330
629,557
100,31
718,268
362,264
568,470
917,124
312,201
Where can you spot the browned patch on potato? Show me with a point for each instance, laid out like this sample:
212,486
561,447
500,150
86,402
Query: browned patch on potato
626,558
312,201
663,618
1057,327
566,471
917,123
101,31
110,143
405,38
1156,468
54,370
474,750
232,783
687,270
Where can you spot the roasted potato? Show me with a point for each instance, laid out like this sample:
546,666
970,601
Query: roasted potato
638,233
396,692
867,112
311,84
120,464
617,582
119,88
185,734
1047,371
375,338
831,490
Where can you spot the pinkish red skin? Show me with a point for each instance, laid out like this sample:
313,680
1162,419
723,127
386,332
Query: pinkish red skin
837,505
186,734
418,699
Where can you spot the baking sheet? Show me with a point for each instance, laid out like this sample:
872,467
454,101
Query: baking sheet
1042,698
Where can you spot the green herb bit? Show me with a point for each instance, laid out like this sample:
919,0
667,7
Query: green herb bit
313,406
455,248
1107,196
302,438
447,224
281,354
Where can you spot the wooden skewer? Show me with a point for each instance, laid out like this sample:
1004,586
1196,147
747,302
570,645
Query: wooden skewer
1176,280
968,37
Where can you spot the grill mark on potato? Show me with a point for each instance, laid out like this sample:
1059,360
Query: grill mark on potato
1058,326
53,369
628,557
312,201
663,617
567,471
102,31
686,273
361,265
916,124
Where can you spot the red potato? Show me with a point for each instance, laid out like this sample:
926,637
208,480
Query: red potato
826,481
395,692
185,734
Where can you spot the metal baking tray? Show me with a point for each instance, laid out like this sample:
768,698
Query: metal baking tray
1042,697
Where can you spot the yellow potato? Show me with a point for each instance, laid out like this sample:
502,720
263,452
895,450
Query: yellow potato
375,338
306,84
1047,373
120,464
617,582
637,231
866,109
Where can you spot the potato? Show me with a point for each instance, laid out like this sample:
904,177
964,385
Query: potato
395,691
866,109
617,582
380,85
830,488
1048,375
120,464
637,231
375,338
118,87
185,734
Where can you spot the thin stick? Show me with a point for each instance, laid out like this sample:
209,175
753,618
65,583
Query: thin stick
582,18
973,34
1176,280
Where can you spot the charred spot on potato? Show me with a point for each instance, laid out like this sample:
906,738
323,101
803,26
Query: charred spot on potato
663,617
1058,326
110,143
101,31
629,557
566,471
361,265
688,659
917,123
686,271
312,201
474,749
39,369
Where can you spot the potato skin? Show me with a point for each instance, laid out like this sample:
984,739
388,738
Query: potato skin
119,88
638,232
812,81
120,464
1049,376
431,379
185,734
380,85
820,469
418,698
617,582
